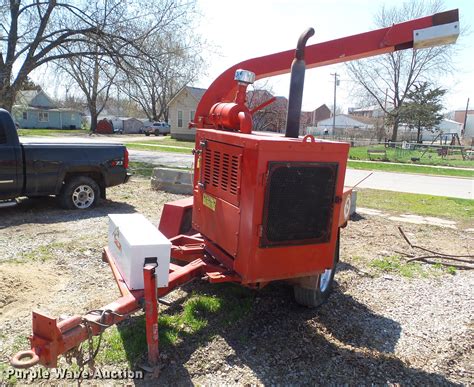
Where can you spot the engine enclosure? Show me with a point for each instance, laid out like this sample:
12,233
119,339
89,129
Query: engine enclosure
267,205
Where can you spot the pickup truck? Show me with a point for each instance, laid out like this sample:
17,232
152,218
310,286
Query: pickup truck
158,128
78,174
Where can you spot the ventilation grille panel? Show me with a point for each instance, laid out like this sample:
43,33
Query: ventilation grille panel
221,171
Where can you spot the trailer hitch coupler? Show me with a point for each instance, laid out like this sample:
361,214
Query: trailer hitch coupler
295,98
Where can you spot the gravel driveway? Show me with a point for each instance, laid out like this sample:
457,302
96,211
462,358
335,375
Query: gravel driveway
377,326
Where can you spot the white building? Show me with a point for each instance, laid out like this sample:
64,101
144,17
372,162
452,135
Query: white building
343,121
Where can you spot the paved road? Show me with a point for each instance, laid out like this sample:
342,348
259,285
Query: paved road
411,183
401,182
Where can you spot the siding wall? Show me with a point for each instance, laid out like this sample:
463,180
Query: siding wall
56,119
187,104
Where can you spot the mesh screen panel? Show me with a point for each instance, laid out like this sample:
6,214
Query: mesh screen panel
299,203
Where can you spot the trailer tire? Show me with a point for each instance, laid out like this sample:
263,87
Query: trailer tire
320,286
79,193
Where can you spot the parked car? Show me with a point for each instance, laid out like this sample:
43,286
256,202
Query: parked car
157,128
78,174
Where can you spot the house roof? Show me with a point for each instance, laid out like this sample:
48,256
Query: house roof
26,97
348,120
195,92
33,108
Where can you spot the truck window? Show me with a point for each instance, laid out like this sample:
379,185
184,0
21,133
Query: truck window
3,135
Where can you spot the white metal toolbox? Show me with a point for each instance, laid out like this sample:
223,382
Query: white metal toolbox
132,238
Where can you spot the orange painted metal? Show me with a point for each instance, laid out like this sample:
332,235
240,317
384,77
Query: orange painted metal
397,37
345,212
235,227
151,313
52,338
230,216
174,220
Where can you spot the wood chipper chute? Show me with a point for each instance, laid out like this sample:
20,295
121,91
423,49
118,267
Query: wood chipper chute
265,207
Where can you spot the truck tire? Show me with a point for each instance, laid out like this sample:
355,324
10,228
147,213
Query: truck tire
147,134
79,193
315,290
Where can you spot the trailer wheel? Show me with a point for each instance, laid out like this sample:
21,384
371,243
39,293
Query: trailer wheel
79,193
314,290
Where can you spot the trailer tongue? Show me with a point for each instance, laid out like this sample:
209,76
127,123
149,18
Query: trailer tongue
264,207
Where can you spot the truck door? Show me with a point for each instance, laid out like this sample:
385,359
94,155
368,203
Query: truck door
10,162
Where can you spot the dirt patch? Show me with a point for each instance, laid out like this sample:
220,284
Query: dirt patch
377,326
21,287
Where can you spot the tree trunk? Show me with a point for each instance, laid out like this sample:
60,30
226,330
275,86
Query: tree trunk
94,119
418,134
7,98
396,121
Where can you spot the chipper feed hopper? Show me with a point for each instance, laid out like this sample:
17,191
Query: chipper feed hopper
265,207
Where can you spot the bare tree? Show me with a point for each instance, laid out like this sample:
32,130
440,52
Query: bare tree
94,76
386,79
35,31
173,60
271,117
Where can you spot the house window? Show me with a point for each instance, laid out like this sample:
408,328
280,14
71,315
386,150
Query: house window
25,115
73,117
43,116
180,118
192,113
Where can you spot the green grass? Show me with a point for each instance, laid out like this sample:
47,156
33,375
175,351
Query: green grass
158,148
44,253
426,205
141,169
51,251
404,156
146,169
407,168
50,132
171,141
200,315
396,265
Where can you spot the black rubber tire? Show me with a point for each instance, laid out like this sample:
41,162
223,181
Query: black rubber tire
68,196
312,298
157,132
147,134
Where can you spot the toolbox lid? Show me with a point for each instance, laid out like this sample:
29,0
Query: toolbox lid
138,230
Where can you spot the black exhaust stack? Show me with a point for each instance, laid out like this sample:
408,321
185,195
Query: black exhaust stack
295,98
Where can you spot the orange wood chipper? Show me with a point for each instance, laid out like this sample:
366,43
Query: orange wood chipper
265,207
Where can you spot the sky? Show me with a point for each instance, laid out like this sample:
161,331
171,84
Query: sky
244,29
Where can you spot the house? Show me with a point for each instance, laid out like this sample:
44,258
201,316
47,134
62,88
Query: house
469,129
35,109
310,119
345,121
460,115
181,110
271,118
374,111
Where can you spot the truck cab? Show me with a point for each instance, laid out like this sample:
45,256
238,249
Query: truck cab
78,174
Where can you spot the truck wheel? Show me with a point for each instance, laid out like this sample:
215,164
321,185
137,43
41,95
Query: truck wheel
79,193
314,290
147,134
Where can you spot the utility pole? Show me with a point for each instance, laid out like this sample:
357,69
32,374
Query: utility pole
336,83
465,119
